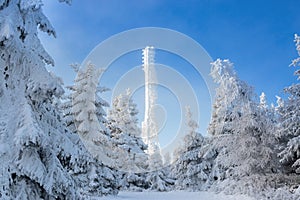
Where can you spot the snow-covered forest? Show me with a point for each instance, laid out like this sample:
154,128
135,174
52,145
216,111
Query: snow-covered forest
58,142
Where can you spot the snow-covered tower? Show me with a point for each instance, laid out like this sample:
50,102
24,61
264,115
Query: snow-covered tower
149,125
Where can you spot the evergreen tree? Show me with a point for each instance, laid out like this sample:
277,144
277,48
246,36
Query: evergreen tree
122,121
40,157
231,93
100,103
245,144
263,101
93,133
95,178
126,135
189,169
33,143
158,176
289,132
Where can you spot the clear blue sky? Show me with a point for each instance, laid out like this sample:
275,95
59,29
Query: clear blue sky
257,36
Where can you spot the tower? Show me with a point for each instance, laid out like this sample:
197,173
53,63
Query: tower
149,125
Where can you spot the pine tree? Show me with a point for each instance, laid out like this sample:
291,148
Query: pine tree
243,132
231,93
33,144
263,101
158,177
93,133
289,132
132,159
122,121
95,178
40,157
67,101
190,170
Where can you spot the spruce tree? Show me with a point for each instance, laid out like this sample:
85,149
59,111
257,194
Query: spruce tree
289,132
189,169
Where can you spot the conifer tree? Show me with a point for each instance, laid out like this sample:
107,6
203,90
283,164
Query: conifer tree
33,142
244,145
126,135
189,169
289,132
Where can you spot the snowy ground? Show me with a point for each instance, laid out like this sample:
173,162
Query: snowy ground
174,196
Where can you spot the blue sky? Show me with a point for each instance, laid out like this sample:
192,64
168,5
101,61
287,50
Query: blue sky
257,36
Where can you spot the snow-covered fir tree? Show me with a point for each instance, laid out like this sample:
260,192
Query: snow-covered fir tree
270,111
280,104
227,94
40,158
263,101
66,104
94,134
124,115
126,135
189,169
31,165
123,123
66,107
89,119
289,132
98,178
92,177
158,177
243,139
100,103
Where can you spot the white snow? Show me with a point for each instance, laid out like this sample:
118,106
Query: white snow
177,195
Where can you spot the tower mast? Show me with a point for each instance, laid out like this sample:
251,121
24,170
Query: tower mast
149,125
